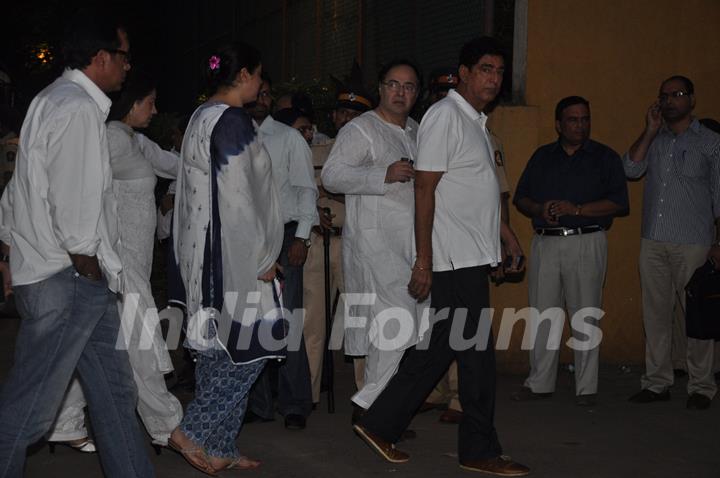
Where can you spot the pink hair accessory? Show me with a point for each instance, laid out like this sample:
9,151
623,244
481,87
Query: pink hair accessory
214,62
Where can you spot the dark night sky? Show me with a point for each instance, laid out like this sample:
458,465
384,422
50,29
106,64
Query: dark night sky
154,28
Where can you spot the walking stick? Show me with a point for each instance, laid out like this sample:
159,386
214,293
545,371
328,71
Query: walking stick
327,353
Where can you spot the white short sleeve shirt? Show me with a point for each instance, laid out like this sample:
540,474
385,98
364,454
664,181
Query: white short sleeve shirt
466,229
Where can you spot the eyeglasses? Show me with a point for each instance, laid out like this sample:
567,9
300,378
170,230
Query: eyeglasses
675,94
394,85
123,53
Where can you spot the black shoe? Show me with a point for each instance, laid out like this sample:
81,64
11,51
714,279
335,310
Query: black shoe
647,396
293,421
698,401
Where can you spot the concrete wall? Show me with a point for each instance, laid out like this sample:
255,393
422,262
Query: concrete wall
615,53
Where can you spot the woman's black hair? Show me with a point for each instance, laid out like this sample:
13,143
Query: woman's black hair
225,63
137,86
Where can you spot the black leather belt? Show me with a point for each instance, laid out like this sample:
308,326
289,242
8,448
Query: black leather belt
565,231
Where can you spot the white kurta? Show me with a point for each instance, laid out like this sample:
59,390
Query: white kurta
378,237
135,160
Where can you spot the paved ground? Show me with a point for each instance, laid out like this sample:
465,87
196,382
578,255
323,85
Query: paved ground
555,438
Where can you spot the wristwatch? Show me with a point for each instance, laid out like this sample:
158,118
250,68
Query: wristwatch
306,242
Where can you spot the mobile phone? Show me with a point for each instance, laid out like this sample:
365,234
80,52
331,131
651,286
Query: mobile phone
408,160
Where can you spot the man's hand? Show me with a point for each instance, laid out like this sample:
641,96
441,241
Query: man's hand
167,203
512,248
420,281
7,278
326,217
714,256
547,214
562,208
399,171
87,266
653,119
270,273
297,252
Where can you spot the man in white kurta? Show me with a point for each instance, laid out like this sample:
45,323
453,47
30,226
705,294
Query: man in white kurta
371,164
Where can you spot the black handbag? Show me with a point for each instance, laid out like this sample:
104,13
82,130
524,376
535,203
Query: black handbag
702,303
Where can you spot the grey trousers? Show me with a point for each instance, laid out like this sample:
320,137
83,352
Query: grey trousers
565,272
665,269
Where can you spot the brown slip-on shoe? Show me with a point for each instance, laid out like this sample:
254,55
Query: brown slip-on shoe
385,449
451,416
499,466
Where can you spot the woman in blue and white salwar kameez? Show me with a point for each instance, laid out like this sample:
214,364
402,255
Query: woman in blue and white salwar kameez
228,233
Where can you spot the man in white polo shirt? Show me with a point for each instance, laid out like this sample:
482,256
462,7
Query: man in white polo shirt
458,232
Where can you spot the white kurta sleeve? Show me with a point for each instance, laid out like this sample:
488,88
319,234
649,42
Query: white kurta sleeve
75,194
350,168
164,163
302,180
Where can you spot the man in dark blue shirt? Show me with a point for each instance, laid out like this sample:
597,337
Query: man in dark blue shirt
571,189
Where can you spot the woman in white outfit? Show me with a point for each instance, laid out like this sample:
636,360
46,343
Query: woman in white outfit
135,161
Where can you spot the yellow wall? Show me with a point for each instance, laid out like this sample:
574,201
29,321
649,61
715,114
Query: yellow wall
615,53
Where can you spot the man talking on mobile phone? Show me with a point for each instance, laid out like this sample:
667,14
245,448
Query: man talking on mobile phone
571,189
680,160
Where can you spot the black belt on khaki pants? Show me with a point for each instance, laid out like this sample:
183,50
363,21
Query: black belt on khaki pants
566,231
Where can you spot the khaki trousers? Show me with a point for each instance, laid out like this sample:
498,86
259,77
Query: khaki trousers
665,269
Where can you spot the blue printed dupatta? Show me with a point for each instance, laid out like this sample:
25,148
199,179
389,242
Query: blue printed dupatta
241,239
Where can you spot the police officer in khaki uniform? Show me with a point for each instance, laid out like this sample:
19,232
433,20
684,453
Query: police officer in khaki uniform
351,101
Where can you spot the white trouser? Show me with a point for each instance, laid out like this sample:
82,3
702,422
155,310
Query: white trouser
380,366
159,410
70,422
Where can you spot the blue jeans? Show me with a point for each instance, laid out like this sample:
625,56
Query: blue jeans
68,323
214,417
